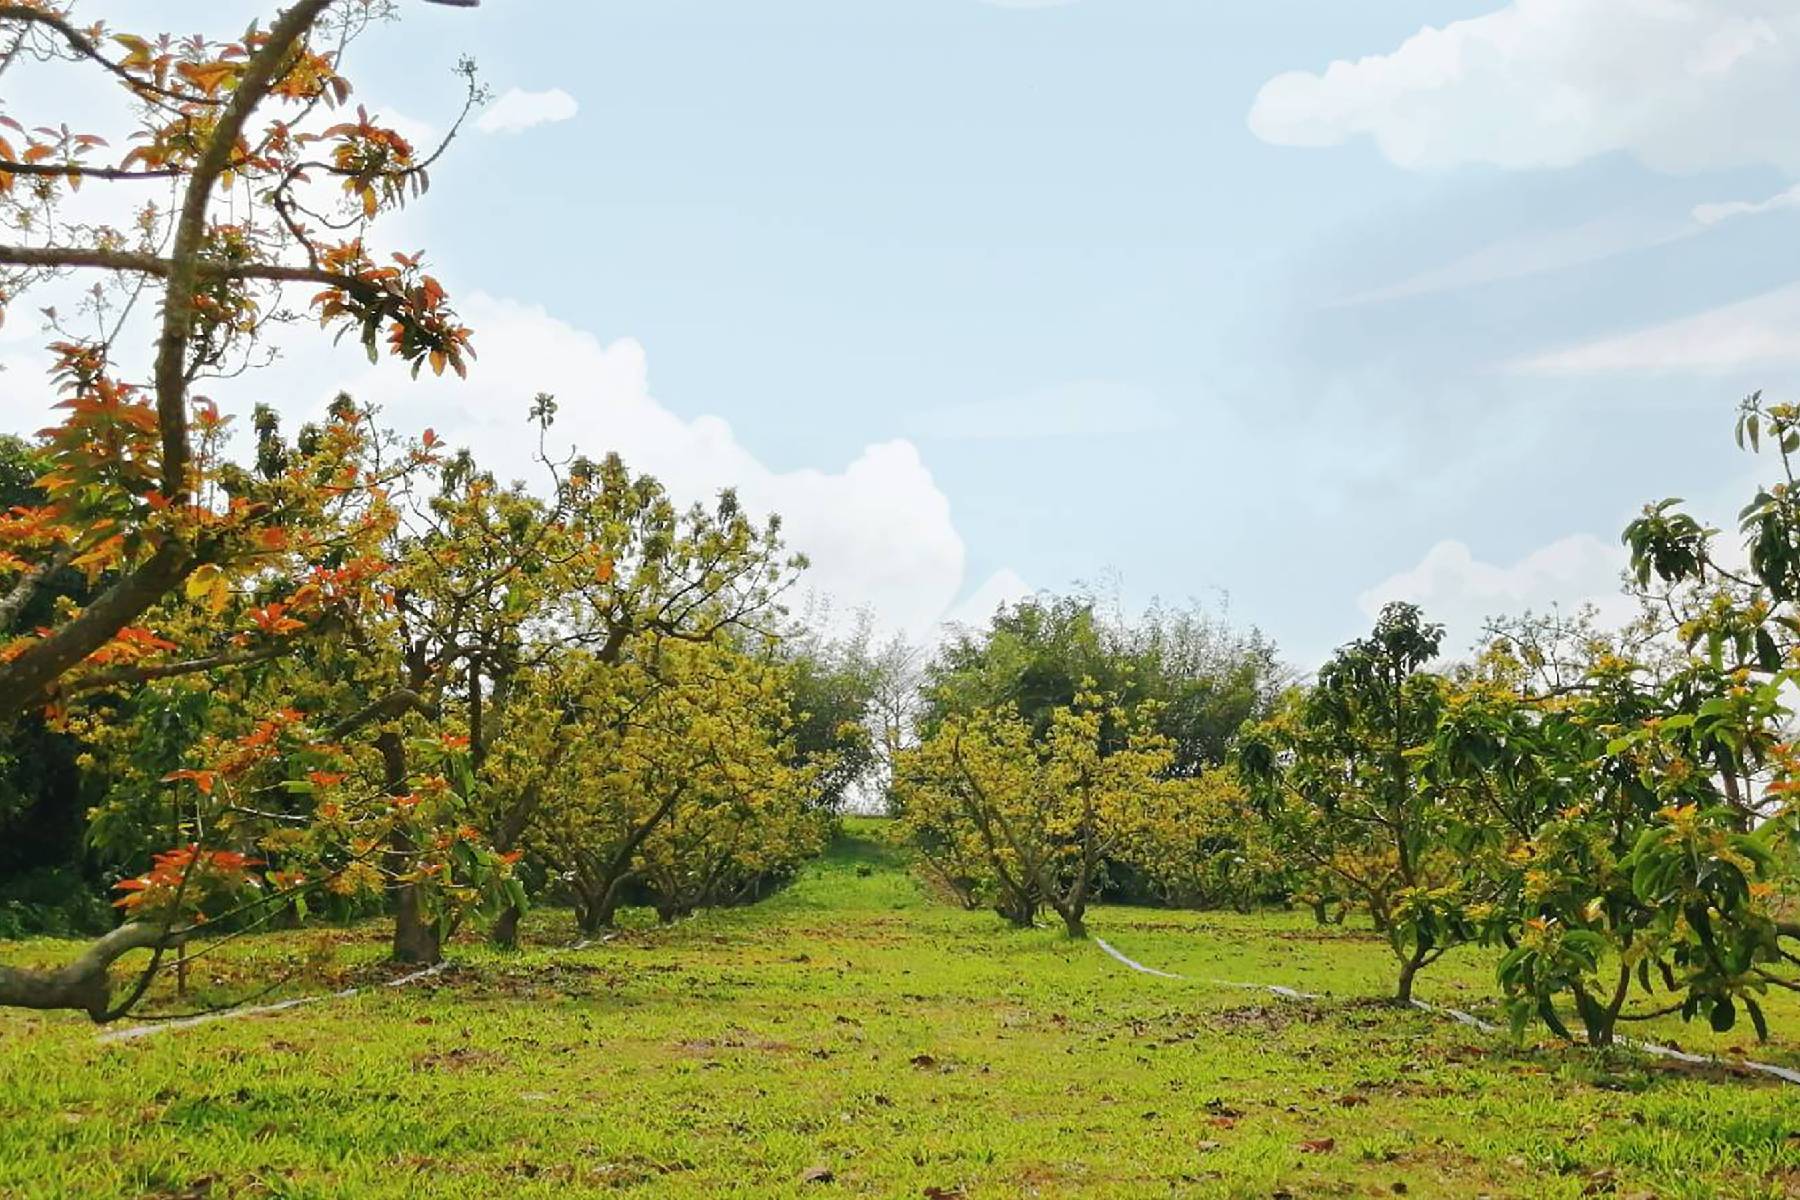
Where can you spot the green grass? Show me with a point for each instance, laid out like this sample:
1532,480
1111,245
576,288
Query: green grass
854,1027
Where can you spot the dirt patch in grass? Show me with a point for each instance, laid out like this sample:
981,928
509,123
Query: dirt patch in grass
1269,1018
460,1058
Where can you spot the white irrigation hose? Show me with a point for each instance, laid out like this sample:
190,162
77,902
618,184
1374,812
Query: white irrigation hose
143,1031
1786,1074
1783,1073
1458,1015
1285,992
1133,963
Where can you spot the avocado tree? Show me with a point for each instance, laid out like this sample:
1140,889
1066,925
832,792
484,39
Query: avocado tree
1661,773
1198,844
272,181
1337,775
677,771
1041,817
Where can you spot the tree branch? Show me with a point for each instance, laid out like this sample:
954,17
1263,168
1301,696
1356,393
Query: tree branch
28,584
78,41
190,230
83,984
28,679
387,707
57,257
155,671
77,171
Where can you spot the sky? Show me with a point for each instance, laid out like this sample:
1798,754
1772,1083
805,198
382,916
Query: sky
1289,308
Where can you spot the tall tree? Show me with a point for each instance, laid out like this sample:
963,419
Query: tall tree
140,495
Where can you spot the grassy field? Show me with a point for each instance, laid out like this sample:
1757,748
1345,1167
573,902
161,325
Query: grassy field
852,1036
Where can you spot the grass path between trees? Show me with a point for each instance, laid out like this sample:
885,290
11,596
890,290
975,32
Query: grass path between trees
853,1036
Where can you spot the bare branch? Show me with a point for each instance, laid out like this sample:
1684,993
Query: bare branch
83,984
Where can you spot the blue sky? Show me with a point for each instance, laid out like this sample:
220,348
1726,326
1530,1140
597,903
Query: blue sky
1309,303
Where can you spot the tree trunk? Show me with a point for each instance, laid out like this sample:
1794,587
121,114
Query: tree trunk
1409,970
584,916
505,933
1072,908
608,909
1016,911
415,939
1602,1020
598,909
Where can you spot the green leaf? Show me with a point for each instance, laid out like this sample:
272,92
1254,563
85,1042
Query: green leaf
1723,1015
1768,655
1757,1019
1548,1014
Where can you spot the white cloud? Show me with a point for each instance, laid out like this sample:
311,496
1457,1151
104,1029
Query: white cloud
1712,214
1453,586
517,110
1761,331
878,529
1086,408
1535,253
1680,84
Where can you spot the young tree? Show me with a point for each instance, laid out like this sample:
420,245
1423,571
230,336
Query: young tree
945,811
750,819
1198,844
1613,856
684,734
624,572
1336,773
1044,815
1644,781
